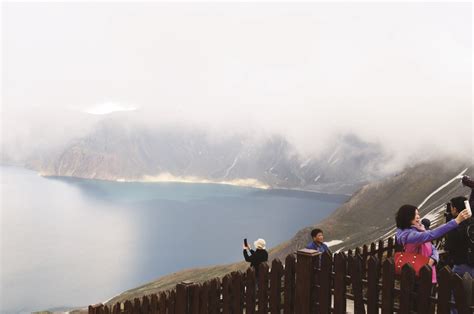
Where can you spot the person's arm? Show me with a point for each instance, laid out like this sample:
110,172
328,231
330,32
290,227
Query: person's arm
249,258
430,235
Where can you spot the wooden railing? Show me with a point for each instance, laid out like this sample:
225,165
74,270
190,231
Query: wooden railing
310,282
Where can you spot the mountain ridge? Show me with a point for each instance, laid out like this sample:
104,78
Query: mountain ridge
116,151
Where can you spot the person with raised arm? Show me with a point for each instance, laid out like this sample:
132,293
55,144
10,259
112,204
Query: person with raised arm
257,256
413,237
460,242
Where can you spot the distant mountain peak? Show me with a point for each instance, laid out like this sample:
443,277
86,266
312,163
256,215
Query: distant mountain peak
120,149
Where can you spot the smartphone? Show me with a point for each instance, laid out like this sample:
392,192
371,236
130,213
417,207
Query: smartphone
245,242
468,206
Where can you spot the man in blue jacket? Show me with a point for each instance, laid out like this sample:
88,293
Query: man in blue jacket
317,243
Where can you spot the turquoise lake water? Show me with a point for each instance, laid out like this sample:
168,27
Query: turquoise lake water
71,242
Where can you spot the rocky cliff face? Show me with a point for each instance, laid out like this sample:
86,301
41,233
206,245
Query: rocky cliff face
115,151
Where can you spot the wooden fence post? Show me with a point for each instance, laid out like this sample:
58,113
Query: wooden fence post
349,254
380,256
380,250
304,279
226,282
365,255
136,305
373,249
145,308
182,297
204,298
195,298
153,304
390,247
407,284
236,292
424,290
263,288
444,290
96,309
250,296
290,263
388,283
128,307
373,275
117,308
340,267
324,295
162,302
275,286
172,302
214,296
357,289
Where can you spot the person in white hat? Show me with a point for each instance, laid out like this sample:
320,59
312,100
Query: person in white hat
258,256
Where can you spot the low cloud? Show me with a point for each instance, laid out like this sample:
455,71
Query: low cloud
108,107
307,71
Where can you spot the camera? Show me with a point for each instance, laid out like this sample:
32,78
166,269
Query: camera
467,181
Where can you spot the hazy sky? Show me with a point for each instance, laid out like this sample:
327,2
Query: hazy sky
396,73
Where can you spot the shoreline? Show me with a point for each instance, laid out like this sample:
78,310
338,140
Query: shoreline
242,183
168,178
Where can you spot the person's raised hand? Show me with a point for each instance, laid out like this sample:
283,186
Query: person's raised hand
465,214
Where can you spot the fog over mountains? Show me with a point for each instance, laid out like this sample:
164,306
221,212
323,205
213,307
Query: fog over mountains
119,149
282,95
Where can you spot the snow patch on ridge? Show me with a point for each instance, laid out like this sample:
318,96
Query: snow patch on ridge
442,187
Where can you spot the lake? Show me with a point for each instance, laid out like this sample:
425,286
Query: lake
69,242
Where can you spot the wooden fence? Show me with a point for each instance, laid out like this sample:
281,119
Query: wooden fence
310,282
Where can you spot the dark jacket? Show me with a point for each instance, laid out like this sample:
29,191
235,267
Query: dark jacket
318,247
457,243
256,258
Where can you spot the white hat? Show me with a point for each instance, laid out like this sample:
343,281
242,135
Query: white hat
260,244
